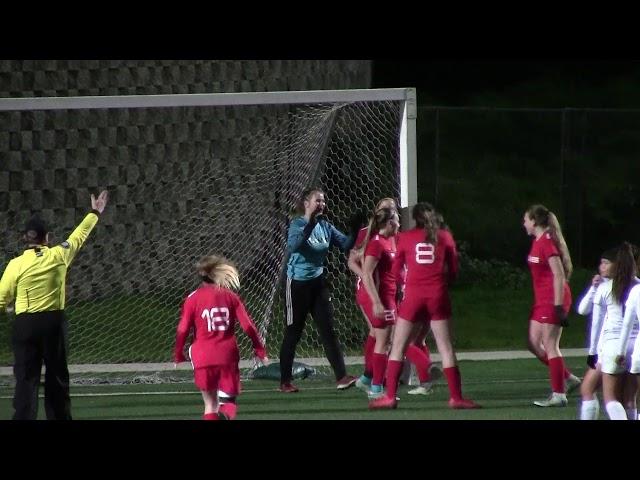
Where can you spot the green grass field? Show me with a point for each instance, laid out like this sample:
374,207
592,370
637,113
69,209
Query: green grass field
505,389
485,317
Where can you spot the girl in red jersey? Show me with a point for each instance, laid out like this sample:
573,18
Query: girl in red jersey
431,258
379,306
355,265
420,355
550,265
212,311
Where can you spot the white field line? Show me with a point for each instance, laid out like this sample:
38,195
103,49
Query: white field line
312,362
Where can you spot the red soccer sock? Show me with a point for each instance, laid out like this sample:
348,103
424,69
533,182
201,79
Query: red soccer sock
420,360
369,345
425,349
229,410
545,360
210,416
556,372
454,381
394,369
379,367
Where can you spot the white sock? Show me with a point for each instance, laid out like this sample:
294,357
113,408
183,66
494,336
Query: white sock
616,411
632,413
589,409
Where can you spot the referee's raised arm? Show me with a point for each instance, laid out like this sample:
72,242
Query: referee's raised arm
70,247
36,280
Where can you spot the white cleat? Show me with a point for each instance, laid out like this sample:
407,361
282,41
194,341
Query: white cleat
572,383
375,395
424,389
363,386
554,400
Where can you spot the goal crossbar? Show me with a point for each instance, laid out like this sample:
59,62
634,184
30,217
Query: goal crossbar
207,99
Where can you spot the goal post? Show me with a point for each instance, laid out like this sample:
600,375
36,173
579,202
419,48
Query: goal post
188,175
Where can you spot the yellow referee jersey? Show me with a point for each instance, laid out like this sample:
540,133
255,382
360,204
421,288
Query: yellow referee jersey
36,279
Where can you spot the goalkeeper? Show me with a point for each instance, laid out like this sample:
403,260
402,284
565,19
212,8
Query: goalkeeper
308,243
36,280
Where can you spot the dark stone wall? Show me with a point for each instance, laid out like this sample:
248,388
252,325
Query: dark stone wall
53,78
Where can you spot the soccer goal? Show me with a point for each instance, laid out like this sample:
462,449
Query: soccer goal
190,175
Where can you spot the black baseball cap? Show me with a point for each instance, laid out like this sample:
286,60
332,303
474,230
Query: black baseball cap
35,230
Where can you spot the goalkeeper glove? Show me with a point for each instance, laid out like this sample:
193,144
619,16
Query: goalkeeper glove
591,361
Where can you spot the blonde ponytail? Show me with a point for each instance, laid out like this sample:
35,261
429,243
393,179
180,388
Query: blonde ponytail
219,271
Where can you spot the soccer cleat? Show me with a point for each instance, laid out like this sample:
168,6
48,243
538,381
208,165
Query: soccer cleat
462,404
375,392
363,383
424,389
554,400
435,371
572,383
383,402
346,382
288,388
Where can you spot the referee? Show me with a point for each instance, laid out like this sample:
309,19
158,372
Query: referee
36,281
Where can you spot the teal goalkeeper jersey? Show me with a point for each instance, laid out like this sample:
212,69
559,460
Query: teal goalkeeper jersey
307,256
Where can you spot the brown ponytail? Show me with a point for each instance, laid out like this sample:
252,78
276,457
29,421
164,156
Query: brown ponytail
427,218
545,218
623,272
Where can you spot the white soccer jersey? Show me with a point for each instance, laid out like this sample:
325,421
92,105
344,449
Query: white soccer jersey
585,307
630,325
612,313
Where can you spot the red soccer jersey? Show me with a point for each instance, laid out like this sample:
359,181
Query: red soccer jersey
542,249
429,267
212,312
384,250
360,238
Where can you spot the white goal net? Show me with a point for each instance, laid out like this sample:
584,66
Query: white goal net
190,175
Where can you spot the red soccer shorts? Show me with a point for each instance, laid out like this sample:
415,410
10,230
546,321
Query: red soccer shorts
225,378
389,317
415,308
546,313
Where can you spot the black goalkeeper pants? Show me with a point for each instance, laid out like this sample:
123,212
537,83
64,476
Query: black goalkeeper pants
302,298
37,338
